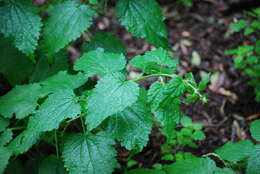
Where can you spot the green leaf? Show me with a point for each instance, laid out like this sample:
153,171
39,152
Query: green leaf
63,81
12,59
203,83
198,135
91,154
224,171
43,69
253,165
3,123
19,22
235,152
155,61
192,166
15,166
126,125
5,155
23,142
145,171
93,1
67,22
112,94
255,129
236,27
19,101
6,137
109,42
56,108
52,165
100,62
143,19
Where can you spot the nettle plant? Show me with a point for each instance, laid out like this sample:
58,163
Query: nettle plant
247,57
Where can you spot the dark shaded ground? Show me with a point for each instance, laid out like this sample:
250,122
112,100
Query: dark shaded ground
205,29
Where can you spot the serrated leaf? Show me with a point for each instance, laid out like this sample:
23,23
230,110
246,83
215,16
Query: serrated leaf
143,19
23,142
100,62
156,61
255,129
52,165
63,81
19,21
21,101
5,155
56,108
67,22
109,42
89,154
235,152
253,165
3,123
192,166
12,59
126,126
6,137
112,94
43,69
145,171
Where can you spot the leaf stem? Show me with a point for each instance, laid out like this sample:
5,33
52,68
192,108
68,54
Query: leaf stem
152,75
56,144
82,124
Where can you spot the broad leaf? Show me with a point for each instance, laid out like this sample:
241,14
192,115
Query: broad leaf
91,154
63,81
145,171
43,69
6,137
143,19
19,22
100,62
156,61
235,152
67,22
21,101
105,40
5,155
11,60
192,166
255,129
3,123
126,125
56,108
52,165
253,165
112,94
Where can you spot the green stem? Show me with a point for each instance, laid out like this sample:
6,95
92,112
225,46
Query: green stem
82,124
152,75
56,143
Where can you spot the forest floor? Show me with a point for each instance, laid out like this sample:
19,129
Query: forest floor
203,32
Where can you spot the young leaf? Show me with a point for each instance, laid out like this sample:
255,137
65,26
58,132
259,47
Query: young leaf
253,165
112,94
63,81
6,137
3,123
100,62
143,19
5,155
235,152
11,59
21,101
19,22
109,42
156,61
52,165
56,108
255,129
132,125
89,154
68,20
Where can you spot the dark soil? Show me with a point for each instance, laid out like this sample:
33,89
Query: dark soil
204,28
